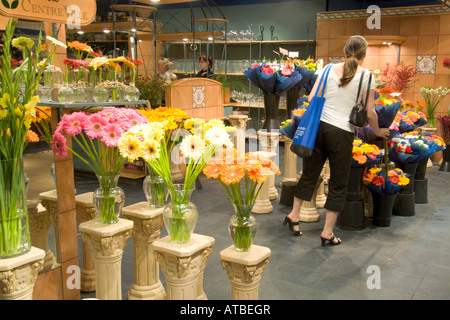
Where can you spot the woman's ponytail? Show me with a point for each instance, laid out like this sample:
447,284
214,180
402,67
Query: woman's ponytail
355,50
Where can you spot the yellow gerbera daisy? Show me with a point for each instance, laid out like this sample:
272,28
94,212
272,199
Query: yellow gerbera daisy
129,146
150,150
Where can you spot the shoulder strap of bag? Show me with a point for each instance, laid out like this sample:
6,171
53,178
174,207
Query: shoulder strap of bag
360,84
324,75
368,89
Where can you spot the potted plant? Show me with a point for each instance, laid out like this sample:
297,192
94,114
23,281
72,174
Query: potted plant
229,84
152,89
432,97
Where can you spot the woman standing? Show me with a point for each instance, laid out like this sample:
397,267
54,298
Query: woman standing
206,65
335,138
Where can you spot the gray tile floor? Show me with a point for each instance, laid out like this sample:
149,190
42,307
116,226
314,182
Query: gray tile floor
413,254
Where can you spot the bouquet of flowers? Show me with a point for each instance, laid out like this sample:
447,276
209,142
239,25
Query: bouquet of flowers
273,77
411,148
98,134
17,109
365,154
432,97
386,106
307,68
289,126
197,141
231,168
409,120
173,117
376,180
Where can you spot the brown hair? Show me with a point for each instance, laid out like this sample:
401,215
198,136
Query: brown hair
355,50
209,60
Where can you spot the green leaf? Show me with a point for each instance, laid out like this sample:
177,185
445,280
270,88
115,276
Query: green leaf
14,4
6,4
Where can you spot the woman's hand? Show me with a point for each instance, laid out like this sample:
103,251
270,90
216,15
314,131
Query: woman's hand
383,133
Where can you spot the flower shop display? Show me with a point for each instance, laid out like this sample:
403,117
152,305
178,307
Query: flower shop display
432,97
399,76
407,121
197,142
273,78
364,155
242,176
98,134
17,109
151,89
384,189
289,126
307,68
445,130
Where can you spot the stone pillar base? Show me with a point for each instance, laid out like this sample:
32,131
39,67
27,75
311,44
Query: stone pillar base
183,265
86,212
262,202
148,223
245,269
107,242
18,275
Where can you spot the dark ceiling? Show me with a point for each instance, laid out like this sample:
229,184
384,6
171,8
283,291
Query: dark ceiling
331,5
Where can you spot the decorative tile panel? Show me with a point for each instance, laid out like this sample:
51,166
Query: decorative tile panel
198,97
426,64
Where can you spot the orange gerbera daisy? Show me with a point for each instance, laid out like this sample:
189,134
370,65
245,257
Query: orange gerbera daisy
32,136
79,46
212,170
257,175
232,174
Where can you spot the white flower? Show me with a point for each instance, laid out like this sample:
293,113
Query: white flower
192,147
218,136
56,42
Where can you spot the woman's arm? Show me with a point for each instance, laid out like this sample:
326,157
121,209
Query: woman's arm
372,117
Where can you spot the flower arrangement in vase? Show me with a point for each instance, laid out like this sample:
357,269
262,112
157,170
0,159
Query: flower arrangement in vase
17,109
98,134
365,154
432,97
377,181
289,126
197,141
231,168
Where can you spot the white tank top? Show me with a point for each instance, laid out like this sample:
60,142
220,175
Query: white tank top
340,101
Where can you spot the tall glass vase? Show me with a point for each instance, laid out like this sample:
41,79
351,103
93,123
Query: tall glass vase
180,215
242,227
154,189
14,227
109,198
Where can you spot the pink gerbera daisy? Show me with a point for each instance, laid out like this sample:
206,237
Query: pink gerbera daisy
94,125
109,113
74,123
59,145
111,135
134,119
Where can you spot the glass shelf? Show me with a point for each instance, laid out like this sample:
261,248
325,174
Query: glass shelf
90,104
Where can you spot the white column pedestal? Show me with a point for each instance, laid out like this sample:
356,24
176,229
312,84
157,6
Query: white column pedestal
183,266
245,269
107,242
18,275
86,212
49,201
148,223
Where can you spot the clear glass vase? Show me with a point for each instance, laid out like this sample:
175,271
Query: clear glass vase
242,227
155,189
80,93
45,93
14,227
66,94
132,93
100,94
117,92
109,199
180,215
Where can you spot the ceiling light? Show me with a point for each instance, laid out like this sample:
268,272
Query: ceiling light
389,43
185,39
106,31
80,32
384,42
154,0
210,38
133,30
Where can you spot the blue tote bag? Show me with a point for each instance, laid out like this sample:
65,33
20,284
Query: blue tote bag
305,136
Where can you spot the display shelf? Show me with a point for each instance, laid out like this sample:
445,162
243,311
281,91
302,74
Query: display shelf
90,104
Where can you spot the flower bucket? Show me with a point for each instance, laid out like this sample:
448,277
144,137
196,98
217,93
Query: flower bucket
383,205
14,228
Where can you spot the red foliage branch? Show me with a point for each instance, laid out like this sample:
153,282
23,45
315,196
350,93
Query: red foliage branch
399,77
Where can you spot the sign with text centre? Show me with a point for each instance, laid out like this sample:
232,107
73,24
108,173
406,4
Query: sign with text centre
75,13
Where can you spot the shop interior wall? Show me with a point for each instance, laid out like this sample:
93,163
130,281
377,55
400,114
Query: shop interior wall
425,35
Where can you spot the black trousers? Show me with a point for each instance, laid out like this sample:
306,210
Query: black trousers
336,145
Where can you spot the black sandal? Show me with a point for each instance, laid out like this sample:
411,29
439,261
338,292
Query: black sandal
291,226
331,241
